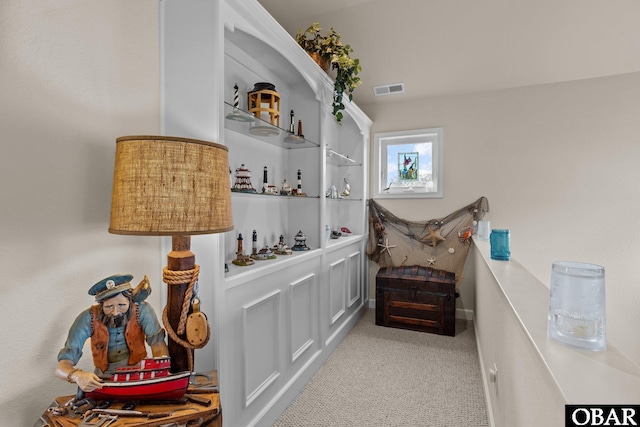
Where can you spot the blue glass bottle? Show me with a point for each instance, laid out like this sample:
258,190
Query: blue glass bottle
500,245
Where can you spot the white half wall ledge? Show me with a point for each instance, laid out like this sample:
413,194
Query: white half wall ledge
583,377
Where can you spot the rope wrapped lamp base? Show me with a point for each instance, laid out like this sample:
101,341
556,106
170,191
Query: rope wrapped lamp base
181,275
177,278
173,278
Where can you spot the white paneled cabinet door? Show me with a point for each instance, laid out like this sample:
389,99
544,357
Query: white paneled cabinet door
343,289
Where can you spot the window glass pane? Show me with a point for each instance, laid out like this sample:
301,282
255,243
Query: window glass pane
408,163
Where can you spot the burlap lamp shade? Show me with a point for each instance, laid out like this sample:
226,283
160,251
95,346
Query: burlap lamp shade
168,186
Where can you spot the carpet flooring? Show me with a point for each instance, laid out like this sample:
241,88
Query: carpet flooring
391,377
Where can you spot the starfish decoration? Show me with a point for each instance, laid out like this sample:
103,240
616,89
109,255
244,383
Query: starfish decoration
433,238
431,261
386,247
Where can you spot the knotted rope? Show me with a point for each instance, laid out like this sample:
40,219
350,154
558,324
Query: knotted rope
171,277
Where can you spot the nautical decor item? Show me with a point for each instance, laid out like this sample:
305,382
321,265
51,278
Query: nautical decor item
298,191
236,98
386,246
254,244
118,309
464,235
286,188
197,325
281,247
332,192
262,254
243,181
291,125
264,104
416,297
148,380
241,259
301,242
266,187
346,189
292,137
442,242
434,237
272,190
237,114
264,180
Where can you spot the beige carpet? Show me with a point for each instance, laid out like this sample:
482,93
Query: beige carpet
393,377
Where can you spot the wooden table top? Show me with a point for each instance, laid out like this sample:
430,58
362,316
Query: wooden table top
201,405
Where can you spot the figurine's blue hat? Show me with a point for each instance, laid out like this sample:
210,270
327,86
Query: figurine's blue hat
111,286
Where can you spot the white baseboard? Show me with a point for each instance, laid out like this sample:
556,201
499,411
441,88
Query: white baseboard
461,313
464,313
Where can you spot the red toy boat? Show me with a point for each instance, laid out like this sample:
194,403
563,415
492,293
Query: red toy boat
149,380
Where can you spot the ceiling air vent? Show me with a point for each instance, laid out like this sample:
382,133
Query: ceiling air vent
389,89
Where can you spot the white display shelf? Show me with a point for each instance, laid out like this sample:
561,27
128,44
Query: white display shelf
270,196
344,241
348,199
337,159
237,275
263,130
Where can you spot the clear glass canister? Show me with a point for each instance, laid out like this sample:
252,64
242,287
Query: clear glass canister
483,229
577,305
500,244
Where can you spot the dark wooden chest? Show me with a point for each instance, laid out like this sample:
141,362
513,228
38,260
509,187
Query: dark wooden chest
418,298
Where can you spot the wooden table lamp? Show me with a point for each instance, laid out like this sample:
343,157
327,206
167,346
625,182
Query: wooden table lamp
178,187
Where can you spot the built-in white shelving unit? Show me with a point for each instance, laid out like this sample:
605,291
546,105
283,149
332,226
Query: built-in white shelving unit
274,322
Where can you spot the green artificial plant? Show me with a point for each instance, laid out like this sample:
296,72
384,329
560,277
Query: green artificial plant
330,48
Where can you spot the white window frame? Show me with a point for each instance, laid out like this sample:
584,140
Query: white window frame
381,186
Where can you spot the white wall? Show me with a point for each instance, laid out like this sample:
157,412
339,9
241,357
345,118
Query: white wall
75,74
559,165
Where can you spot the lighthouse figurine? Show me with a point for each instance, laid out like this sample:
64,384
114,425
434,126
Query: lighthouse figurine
292,137
241,259
298,191
237,114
